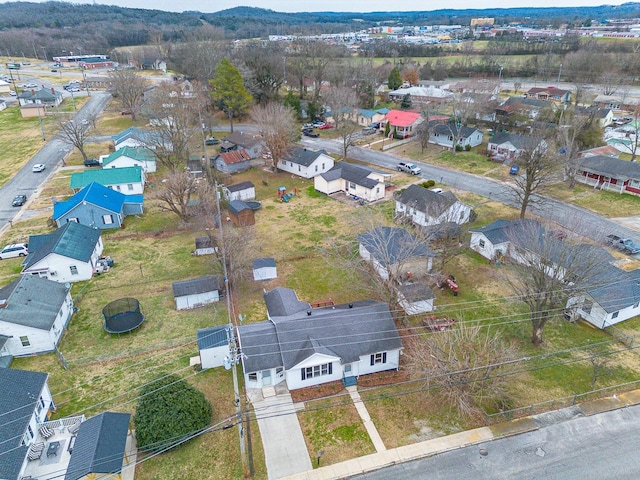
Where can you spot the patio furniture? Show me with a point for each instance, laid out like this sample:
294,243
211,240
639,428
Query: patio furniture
46,432
53,449
73,429
35,450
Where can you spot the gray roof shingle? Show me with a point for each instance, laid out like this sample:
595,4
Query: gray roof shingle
72,240
452,128
433,204
303,156
283,302
210,283
240,186
611,167
390,245
519,141
352,173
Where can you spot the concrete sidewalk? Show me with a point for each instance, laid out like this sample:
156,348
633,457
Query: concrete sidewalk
366,419
434,446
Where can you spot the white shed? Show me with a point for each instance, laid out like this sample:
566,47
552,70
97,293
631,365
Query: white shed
264,269
213,345
205,246
240,191
196,292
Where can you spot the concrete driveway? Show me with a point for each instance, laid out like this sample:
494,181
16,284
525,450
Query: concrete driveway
285,450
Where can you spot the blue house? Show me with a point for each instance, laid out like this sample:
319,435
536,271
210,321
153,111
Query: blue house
97,206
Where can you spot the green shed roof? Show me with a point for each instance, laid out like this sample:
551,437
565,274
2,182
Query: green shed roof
135,153
106,177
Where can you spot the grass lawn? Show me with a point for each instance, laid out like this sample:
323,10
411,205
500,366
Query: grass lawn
605,203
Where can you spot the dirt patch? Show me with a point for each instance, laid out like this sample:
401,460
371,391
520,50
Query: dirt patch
320,391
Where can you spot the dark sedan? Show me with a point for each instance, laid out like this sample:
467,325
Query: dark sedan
19,200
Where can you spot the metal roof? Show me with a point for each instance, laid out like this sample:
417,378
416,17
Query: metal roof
19,397
210,283
264,263
95,194
141,154
107,176
72,240
33,302
100,445
213,337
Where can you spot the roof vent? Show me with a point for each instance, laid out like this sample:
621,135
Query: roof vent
309,312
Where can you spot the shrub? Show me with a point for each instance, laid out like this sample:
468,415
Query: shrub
458,148
467,147
428,183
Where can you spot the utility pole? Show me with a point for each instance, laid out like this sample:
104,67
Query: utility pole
559,73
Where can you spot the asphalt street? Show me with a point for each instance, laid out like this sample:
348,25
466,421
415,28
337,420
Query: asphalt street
603,446
51,154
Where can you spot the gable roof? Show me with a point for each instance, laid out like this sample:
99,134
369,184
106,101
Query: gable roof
234,156
518,141
214,337
140,154
94,194
43,94
353,173
264,263
399,118
100,445
548,90
390,245
246,140
610,166
19,396
452,128
72,240
515,102
237,187
616,289
284,302
346,331
605,150
502,231
416,292
107,176
147,137
302,155
237,206
205,242
433,92
210,283
424,200
33,301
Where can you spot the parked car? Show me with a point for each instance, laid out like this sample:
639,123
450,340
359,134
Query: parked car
325,126
30,85
310,133
369,131
14,250
12,93
38,167
409,168
91,162
514,170
53,70
307,125
212,141
625,245
19,200
317,123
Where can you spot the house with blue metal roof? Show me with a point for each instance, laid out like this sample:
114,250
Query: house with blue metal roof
127,180
130,157
69,254
213,345
97,206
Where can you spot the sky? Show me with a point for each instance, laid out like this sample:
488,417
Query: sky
208,6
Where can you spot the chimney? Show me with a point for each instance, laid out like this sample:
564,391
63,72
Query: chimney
3,303
53,92
33,92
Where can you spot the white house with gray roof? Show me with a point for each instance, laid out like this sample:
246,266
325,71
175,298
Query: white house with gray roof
443,134
197,292
69,254
426,207
306,162
507,147
306,346
355,180
34,314
213,345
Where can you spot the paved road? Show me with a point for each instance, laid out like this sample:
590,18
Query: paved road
51,154
600,446
573,217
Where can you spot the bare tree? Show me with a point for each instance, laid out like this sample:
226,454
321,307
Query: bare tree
467,365
570,126
176,192
343,101
238,246
635,133
548,270
423,134
129,88
74,133
277,127
266,71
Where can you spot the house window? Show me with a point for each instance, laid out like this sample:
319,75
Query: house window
253,377
378,358
279,371
25,341
352,186
316,168
317,371
107,219
299,168
130,187
377,189
323,166
614,315
73,269
481,243
74,219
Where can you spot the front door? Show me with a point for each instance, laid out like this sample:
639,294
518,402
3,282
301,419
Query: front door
347,370
266,377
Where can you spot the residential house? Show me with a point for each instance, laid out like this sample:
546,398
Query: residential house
624,138
395,252
415,298
306,162
444,133
494,241
205,246
603,116
100,448
67,255
153,64
610,173
5,87
196,292
130,157
251,143
264,269
403,124
605,151
240,213
194,165
213,345
430,95
127,180
611,102
365,117
138,137
3,105
524,108
355,180
613,298
34,313
44,96
507,147
240,191
233,161
549,93
306,346
98,207
426,207
25,403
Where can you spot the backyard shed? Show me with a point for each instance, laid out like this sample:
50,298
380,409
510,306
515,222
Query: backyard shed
240,213
264,269
205,246
240,191
213,345
196,292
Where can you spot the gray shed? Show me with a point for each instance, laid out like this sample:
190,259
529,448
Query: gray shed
196,292
264,269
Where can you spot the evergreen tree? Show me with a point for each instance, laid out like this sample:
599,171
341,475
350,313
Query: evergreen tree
395,79
406,102
228,92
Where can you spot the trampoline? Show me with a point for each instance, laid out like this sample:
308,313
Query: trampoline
122,315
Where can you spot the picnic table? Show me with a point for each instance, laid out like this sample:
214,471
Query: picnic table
53,449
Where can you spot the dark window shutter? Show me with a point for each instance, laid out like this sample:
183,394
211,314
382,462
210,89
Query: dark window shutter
304,377
384,357
330,368
373,359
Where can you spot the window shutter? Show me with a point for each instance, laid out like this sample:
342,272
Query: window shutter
304,377
330,368
373,359
384,357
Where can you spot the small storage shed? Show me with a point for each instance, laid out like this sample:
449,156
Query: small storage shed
264,269
240,213
240,191
213,345
196,292
205,246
